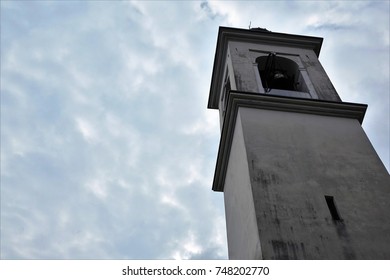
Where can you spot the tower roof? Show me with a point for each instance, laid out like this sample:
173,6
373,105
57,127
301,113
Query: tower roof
254,35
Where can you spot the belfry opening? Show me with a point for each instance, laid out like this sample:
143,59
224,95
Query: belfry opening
278,72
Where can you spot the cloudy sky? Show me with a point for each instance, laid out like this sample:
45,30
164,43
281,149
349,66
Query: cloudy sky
107,148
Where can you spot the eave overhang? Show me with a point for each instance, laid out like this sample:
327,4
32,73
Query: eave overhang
280,103
226,34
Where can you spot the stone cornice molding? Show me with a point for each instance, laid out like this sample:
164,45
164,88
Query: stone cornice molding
279,103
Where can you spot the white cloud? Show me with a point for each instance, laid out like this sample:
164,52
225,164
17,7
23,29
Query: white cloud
97,187
86,129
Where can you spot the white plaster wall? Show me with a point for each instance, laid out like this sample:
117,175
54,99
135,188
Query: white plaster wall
294,160
242,231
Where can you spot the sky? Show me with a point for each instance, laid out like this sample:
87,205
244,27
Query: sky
108,149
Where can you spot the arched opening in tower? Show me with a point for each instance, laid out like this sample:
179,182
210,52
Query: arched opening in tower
277,72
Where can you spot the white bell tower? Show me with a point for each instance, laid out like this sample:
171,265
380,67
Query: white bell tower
300,178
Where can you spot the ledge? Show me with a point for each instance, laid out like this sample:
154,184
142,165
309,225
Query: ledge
279,103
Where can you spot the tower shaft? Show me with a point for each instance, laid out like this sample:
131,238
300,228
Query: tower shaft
300,178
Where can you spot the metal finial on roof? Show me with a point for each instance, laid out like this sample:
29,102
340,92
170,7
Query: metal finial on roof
259,29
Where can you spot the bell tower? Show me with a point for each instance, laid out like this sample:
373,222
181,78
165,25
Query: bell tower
300,178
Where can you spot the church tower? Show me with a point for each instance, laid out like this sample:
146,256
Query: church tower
300,178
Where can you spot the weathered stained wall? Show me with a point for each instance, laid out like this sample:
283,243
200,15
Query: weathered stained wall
294,160
242,231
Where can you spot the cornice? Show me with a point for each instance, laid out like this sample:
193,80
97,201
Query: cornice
279,103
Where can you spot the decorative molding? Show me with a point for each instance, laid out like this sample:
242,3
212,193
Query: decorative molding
238,99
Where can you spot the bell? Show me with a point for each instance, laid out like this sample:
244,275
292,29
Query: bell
279,75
